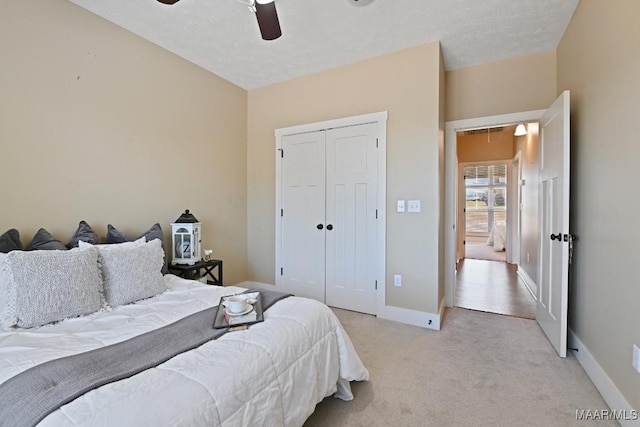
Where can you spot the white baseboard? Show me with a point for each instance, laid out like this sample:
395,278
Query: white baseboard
397,314
251,284
528,282
601,380
414,317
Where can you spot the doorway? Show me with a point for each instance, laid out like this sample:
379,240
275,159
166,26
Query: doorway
484,210
488,202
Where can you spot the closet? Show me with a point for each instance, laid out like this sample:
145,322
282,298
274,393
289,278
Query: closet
328,201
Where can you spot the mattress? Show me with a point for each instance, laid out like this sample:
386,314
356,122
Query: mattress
272,374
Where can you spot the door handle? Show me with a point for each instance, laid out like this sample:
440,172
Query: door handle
556,236
319,226
329,227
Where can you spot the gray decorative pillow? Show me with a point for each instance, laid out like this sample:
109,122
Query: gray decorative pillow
155,232
44,241
132,273
84,233
10,241
54,285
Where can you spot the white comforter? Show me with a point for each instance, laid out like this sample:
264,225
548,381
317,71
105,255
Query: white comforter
274,373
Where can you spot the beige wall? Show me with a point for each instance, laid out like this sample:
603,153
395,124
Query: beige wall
406,84
101,125
599,61
508,86
485,147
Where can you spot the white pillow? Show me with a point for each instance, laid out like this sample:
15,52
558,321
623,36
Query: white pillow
141,241
46,286
7,297
132,273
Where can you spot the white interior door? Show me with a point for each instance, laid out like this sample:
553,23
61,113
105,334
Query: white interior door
303,211
554,223
351,181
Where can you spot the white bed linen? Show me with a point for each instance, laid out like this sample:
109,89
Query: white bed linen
271,374
498,236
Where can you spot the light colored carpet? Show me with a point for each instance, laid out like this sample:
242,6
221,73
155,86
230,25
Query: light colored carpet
477,248
481,369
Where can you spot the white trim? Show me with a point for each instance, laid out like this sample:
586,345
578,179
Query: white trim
381,119
382,213
528,281
610,393
414,317
332,124
251,284
450,146
278,241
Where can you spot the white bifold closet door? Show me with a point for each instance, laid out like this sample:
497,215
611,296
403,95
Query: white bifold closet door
329,196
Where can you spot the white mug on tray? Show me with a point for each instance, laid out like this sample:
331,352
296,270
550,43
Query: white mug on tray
235,304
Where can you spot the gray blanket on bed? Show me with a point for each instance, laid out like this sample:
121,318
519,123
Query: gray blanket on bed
33,394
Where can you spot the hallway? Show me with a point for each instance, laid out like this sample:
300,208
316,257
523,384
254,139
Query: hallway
493,286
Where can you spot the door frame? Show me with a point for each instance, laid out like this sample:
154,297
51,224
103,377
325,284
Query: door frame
451,185
380,118
513,210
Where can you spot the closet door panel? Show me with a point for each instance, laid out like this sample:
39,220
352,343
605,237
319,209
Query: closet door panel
351,185
303,204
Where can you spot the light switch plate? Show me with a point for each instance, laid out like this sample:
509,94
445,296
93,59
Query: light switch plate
414,206
397,280
400,205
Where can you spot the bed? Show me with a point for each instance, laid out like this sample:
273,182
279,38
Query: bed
498,236
272,374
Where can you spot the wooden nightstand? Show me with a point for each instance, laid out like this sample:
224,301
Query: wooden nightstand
194,272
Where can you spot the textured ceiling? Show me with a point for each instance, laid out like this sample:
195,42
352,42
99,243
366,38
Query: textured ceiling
222,36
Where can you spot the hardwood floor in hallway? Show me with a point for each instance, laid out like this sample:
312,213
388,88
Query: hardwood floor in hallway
494,287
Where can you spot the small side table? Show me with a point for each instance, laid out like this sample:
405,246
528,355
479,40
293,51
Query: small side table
193,272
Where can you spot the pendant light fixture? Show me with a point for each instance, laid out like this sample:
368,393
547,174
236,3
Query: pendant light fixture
520,130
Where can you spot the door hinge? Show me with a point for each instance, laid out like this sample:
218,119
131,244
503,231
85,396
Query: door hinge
376,213
281,150
464,242
464,209
281,271
376,142
281,212
376,285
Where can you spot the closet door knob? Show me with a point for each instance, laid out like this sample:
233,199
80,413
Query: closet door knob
329,227
319,226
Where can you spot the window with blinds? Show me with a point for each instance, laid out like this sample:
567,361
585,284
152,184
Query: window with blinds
486,197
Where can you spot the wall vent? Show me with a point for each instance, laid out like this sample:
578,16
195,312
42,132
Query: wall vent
482,131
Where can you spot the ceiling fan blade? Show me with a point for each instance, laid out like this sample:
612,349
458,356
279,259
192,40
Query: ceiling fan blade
169,1
268,20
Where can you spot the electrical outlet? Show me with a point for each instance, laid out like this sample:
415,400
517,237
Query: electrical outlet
636,358
397,280
400,206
